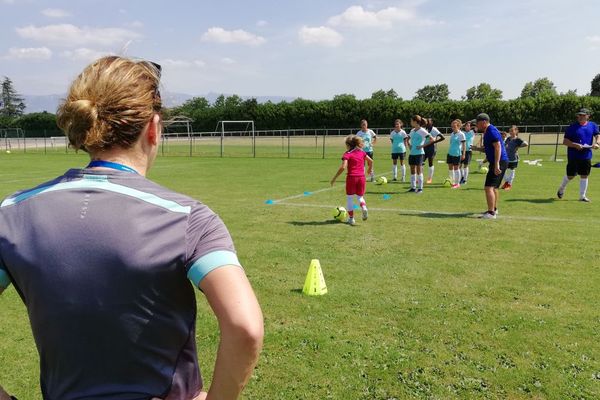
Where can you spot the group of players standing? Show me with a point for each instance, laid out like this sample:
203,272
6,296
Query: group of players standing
501,150
421,145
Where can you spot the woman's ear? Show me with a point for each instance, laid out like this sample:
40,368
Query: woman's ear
154,130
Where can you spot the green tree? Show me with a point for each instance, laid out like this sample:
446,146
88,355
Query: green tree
383,95
483,91
595,86
11,104
538,88
433,93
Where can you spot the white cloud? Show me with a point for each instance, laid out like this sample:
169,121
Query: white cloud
71,35
220,35
29,53
227,61
593,39
262,23
83,54
169,62
135,24
8,1
356,16
55,13
322,36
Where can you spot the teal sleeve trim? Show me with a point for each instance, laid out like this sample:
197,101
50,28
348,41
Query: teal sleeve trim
4,279
208,262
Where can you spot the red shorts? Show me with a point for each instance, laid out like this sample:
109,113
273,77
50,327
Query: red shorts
355,185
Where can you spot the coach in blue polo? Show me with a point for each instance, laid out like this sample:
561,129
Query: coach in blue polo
493,145
579,139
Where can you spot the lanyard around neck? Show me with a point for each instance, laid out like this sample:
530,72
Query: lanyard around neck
112,165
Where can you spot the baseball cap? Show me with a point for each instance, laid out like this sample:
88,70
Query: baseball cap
483,117
584,111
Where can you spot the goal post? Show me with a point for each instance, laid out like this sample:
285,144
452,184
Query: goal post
249,127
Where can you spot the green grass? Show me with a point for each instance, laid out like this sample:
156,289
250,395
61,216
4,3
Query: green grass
425,301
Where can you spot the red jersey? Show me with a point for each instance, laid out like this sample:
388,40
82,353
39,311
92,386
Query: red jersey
356,161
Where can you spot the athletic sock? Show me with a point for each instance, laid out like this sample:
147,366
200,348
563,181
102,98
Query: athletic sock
511,176
413,181
431,169
583,184
361,201
466,173
349,203
563,185
451,176
420,181
456,176
403,169
395,171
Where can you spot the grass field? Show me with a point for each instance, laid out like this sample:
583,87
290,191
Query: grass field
425,301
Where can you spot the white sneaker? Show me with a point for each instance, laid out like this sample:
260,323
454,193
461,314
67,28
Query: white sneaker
488,215
585,199
365,213
351,221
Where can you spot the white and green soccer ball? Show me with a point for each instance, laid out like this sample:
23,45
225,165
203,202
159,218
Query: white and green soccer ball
484,170
447,182
382,180
340,214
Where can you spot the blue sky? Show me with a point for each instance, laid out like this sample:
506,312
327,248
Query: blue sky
310,48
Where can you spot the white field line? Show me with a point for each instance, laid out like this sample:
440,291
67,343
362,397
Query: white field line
297,196
464,214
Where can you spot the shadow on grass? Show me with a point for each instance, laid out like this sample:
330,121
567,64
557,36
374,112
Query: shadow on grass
304,223
535,201
439,215
299,291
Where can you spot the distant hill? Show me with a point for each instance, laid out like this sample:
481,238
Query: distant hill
50,102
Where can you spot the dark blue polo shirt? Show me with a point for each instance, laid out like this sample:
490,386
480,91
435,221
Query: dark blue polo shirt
491,136
582,134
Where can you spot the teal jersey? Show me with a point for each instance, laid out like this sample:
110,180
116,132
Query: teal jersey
469,136
367,138
417,138
456,139
397,139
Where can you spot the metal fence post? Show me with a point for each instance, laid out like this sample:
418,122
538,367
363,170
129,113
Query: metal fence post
556,144
288,137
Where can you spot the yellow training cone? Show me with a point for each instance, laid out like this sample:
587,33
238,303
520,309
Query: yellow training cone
314,285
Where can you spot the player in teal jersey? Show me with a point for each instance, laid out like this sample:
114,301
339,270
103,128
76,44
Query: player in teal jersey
469,138
399,138
369,139
417,137
456,153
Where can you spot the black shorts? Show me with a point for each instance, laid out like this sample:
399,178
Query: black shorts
453,160
370,154
579,167
430,151
400,156
513,164
415,159
491,179
467,159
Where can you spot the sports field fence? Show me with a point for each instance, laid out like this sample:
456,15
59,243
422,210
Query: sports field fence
545,141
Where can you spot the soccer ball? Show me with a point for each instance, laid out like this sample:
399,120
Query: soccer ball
340,214
484,170
447,182
382,180
7,151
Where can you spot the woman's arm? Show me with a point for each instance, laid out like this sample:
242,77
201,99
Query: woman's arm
241,324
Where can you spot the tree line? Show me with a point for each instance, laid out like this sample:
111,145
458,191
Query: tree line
539,104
